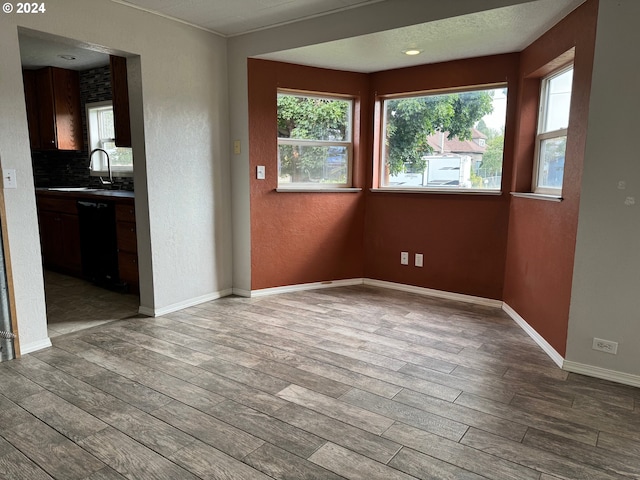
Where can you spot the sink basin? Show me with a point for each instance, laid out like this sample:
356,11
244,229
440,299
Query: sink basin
72,189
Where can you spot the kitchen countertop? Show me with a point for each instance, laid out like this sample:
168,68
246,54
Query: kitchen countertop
89,193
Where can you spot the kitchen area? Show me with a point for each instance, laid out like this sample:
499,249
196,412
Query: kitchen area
79,131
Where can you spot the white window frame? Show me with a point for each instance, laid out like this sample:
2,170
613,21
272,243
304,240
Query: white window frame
98,161
321,143
541,136
381,133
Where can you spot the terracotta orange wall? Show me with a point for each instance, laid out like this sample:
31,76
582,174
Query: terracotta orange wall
542,234
463,237
302,237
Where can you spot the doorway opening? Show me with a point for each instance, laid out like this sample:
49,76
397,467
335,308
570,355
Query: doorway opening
88,280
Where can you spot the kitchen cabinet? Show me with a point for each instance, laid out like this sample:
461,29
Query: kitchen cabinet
52,98
31,101
120,94
127,245
60,232
60,235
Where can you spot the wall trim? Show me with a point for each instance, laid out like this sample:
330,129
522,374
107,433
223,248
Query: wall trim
157,312
241,292
31,347
542,343
305,286
429,292
602,373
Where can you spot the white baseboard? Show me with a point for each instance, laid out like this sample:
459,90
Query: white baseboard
157,312
602,373
305,286
542,343
429,292
242,292
31,347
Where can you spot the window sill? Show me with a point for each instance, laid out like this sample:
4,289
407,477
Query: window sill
318,190
537,196
439,191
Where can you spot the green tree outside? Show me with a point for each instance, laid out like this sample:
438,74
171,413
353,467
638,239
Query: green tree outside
411,120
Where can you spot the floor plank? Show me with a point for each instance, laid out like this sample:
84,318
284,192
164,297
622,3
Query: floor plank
350,382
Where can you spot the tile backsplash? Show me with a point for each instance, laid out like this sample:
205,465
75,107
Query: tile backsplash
71,169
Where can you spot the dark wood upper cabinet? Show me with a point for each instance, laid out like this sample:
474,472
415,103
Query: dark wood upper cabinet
59,116
31,100
52,97
120,91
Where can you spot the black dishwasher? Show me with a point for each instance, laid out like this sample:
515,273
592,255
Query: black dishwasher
98,244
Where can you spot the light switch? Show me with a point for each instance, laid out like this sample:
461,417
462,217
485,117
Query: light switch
260,172
236,147
9,178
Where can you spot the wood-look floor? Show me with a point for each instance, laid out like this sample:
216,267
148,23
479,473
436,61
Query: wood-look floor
354,382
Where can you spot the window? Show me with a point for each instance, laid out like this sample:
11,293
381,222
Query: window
102,135
314,141
450,141
551,140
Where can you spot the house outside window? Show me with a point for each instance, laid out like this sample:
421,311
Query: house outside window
451,141
101,134
315,148
551,139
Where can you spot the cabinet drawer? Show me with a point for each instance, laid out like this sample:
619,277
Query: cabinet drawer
62,205
126,235
125,213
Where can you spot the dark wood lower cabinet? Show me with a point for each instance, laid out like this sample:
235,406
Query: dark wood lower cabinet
61,243
60,235
127,245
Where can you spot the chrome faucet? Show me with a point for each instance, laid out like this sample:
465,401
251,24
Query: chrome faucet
102,180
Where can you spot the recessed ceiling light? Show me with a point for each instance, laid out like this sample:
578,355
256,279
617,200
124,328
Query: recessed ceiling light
413,51
67,57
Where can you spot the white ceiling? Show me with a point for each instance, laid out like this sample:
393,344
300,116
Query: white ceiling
501,30
44,51
236,17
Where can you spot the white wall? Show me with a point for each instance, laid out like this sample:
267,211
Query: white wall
183,197
605,300
349,23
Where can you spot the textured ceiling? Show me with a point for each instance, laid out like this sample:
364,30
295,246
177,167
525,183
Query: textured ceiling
501,30
234,17
44,51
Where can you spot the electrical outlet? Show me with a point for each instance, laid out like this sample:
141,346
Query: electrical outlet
404,258
606,346
418,259
260,172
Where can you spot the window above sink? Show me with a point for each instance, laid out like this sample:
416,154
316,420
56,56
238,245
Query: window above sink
101,134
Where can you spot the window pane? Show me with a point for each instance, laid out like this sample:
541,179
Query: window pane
312,164
314,118
452,140
105,120
558,102
551,163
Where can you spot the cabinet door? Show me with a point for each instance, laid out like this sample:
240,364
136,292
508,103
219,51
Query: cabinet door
60,119
128,269
46,109
68,118
31,102
120,92
70,243
49,238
